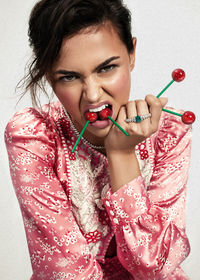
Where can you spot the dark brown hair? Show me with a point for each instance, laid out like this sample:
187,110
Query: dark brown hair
53,20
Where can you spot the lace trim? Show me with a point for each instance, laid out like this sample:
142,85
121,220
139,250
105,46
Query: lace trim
145,165
86,197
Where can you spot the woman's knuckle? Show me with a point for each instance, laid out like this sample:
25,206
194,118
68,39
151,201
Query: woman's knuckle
141,100
131,102
149,97
157,103
142,103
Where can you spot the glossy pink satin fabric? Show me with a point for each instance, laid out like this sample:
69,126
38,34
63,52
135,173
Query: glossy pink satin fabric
70,213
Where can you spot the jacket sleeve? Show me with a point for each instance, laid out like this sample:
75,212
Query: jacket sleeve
57,247
149,221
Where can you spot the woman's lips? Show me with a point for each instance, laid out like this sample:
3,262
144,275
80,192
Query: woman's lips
101,124
94,106
99,118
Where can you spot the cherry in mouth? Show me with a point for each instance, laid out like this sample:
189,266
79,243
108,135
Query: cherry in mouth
102,115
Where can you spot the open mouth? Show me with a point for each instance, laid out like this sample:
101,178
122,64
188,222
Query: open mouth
99,114
99,109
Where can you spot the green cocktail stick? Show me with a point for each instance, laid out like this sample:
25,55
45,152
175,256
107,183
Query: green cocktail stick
165,89
178,75
118,126
171,112
165,110
80,136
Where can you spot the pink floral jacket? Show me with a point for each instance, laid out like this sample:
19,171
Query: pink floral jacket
72,219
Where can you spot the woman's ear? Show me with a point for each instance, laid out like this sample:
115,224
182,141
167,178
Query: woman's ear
132,54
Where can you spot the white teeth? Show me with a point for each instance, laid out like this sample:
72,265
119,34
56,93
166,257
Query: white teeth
99,108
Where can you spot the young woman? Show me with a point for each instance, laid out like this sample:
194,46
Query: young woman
113,209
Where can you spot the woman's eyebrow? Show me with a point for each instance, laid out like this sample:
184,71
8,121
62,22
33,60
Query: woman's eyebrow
101,65
107,61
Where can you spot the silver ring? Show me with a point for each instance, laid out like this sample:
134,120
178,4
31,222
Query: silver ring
138,119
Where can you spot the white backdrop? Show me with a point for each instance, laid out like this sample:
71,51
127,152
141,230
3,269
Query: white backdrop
168,34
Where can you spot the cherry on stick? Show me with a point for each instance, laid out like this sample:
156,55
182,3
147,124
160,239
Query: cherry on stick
188,117
105,113
178,75
91,116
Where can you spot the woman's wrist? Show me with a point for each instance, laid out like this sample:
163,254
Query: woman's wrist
123,167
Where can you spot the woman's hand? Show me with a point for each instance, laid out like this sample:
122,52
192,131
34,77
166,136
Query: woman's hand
117,141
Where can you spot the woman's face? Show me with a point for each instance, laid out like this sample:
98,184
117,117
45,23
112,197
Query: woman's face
93,67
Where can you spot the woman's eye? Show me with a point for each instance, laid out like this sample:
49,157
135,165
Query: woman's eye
107,68
68,78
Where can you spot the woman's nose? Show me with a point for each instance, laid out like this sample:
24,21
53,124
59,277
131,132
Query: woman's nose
92,90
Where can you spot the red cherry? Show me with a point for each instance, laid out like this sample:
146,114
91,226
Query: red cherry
188,117
105,113
91,116
178,75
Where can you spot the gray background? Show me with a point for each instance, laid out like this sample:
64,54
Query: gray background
168,34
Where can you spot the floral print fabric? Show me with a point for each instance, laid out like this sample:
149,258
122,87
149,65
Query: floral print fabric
71,216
